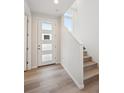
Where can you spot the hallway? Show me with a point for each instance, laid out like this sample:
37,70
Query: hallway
54,79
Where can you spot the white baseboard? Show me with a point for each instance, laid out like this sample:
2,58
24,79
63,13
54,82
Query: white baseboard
33,67
58,63
29,68
80,86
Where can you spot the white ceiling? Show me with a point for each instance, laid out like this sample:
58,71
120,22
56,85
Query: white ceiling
48,7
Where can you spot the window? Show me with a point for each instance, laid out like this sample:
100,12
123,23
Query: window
68,21
70,17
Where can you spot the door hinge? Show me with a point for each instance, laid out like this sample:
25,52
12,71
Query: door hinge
27,34
27,20
27,48
27,62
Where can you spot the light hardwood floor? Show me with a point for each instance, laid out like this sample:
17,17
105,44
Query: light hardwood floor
54,79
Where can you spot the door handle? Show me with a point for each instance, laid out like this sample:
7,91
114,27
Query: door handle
38,47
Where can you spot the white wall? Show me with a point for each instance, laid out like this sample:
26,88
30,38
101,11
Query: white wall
35,19
88,26
34,43
72,56
86,30
27,8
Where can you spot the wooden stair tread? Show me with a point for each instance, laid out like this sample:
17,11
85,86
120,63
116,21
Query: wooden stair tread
90,63
91,73
87,56
85,51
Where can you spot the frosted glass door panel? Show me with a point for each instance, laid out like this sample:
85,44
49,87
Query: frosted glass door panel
46,58
46,47
46,26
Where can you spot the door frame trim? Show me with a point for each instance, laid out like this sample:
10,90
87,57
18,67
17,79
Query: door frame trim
45,19
29,41
27,44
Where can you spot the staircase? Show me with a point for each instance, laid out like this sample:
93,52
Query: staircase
91,70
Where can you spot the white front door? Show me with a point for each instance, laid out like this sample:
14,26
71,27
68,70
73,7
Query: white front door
46,44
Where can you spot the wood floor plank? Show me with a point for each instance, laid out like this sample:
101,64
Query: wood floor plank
54,79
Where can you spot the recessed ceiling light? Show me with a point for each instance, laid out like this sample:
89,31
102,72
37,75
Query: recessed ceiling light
56,1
